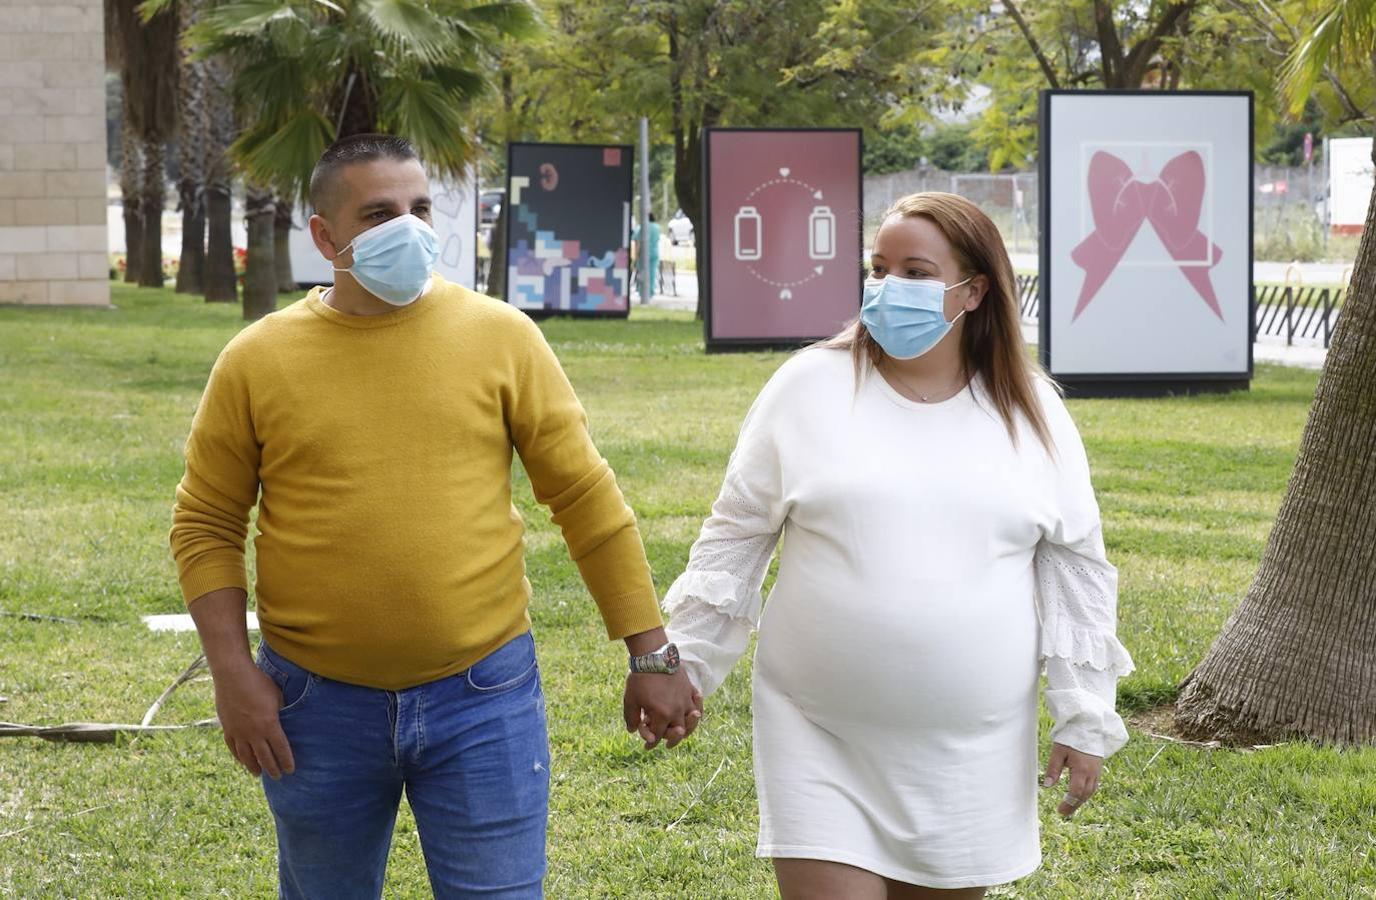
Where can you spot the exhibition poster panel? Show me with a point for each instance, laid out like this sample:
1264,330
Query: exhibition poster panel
783,233
1149,215
568,228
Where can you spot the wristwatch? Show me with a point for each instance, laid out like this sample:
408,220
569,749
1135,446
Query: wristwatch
663,661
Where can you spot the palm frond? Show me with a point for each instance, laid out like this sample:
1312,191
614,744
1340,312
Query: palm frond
1347,28
283,157
464,85
429,116
512,18
411,28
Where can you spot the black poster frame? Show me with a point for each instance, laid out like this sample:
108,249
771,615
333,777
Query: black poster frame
539,314
736,345
1134,384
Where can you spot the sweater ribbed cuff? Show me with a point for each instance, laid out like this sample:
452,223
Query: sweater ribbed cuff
199,580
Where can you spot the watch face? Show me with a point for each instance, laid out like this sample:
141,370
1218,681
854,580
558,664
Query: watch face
671,656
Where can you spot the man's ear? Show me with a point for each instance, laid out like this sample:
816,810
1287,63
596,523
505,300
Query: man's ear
324,241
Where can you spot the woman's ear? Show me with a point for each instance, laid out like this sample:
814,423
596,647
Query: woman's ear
979,286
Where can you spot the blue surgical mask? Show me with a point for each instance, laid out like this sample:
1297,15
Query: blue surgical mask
393,260
907,316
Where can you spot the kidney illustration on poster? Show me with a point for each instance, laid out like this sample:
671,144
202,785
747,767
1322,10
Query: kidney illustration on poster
783,235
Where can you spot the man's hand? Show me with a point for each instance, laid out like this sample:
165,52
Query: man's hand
661,707
247,702
1084,776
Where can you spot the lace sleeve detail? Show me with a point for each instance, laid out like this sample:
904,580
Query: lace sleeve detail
715,604
1077,603
1077,598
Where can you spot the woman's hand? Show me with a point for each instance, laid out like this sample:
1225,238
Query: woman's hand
1084,776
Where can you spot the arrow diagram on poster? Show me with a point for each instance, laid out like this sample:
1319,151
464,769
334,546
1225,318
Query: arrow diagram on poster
817,269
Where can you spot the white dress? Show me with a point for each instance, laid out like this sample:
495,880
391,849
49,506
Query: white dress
928,569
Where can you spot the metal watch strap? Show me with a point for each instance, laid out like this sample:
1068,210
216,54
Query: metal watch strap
663,661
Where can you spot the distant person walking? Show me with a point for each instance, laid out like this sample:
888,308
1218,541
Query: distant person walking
650,246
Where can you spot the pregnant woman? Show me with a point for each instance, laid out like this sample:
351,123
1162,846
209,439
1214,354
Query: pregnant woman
941,543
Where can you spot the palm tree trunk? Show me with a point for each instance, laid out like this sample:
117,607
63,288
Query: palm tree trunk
130,177
496,264
260,278
191,128
154,191
1295,659
221,284
282,222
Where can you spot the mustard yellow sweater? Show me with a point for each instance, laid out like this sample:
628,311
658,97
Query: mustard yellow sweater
389,553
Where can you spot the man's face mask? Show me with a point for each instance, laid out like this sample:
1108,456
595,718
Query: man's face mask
393,261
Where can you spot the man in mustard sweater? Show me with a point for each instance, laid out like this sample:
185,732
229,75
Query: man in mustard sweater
378,419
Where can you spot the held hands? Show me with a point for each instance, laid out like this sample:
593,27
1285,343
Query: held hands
247,702
661,707
1084,776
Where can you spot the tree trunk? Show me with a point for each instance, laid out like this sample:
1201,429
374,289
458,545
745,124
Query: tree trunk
154,190
1295,659
260,279
221,284
496,264
282,223
191,268
191,134
130,178
357,104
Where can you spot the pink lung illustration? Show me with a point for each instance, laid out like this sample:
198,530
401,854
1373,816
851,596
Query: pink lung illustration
1120,204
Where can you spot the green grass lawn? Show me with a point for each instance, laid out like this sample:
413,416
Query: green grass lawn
94,407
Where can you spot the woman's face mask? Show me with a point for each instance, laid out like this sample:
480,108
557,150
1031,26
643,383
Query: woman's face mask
393,261
907,316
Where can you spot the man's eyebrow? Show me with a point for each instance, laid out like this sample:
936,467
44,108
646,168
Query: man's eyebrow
423,200
372,205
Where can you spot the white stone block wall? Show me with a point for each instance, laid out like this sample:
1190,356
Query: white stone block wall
52,153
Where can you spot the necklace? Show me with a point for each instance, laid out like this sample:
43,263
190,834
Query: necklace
927,397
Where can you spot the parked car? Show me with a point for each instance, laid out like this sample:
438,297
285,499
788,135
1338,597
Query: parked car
490,205
680,229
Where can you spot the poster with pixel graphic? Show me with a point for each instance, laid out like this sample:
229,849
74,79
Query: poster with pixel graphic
568,229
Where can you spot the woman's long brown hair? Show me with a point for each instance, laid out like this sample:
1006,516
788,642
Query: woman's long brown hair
992,343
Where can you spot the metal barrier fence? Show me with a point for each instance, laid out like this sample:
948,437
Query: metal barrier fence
1288,311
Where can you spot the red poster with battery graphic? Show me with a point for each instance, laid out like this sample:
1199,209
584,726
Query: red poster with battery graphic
783,214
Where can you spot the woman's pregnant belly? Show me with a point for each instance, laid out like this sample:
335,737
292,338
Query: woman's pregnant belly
866,652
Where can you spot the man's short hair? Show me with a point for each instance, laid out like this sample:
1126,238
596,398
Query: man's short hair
352,150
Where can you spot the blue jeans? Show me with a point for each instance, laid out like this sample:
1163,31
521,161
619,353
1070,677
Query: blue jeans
470,750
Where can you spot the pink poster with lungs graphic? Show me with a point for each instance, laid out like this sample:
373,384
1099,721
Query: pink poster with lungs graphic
1146,237
783,211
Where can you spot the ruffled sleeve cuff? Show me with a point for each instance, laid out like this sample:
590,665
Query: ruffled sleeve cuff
1086,646
1085,722
723,592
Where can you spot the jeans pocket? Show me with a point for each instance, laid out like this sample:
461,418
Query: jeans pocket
294,682
506,668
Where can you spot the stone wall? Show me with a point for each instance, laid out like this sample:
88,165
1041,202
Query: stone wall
53,246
